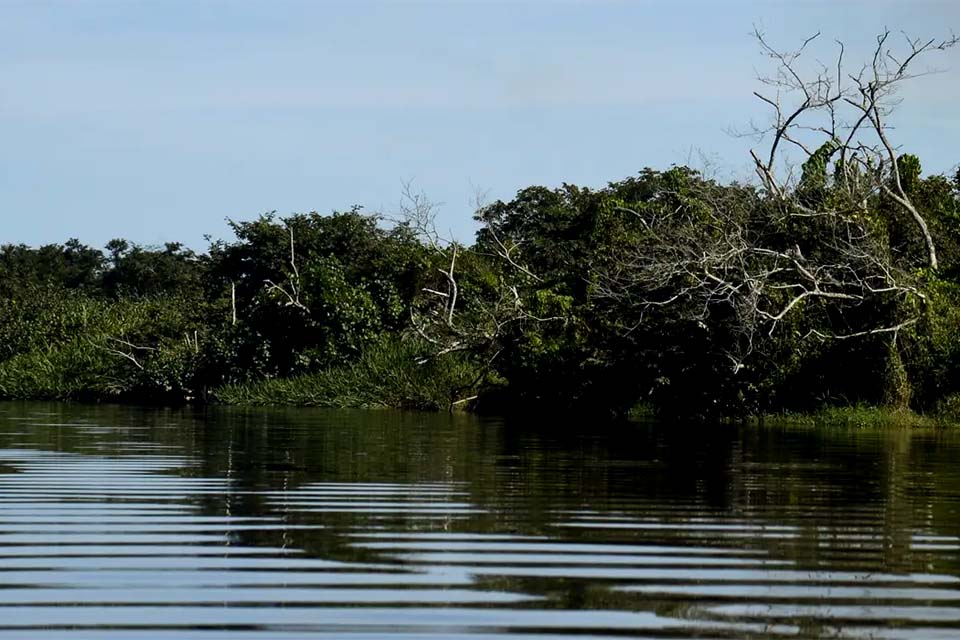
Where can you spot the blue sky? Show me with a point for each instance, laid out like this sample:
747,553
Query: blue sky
156,121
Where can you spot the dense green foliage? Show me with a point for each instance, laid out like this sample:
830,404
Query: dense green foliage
570,298
170,325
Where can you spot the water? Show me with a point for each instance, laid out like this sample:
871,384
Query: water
134,524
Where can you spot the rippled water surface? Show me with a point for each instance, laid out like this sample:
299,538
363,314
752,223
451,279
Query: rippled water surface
127,523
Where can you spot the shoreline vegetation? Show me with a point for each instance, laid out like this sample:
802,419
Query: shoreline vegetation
865,417
828,283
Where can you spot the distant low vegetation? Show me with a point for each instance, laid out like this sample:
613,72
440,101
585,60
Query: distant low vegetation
832,279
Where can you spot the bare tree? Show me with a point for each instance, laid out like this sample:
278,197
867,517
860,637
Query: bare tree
843,114
756,257
739,264
419,212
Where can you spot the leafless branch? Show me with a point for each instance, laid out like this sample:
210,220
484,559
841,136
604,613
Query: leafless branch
835,107
291,291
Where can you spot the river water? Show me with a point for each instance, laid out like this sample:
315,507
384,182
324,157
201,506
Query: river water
280,524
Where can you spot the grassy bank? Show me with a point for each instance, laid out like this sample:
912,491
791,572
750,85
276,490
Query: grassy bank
388,375
867,417
858,416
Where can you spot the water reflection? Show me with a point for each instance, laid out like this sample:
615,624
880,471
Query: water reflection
125,523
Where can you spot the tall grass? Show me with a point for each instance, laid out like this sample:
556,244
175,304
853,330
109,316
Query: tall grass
864,416
389,374
60,344
74,369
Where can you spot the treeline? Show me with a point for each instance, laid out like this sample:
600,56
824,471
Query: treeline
168,324
666,289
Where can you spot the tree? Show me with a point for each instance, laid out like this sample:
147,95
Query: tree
315,290
805,256
835,113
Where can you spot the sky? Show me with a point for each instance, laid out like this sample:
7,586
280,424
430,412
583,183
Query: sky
158,121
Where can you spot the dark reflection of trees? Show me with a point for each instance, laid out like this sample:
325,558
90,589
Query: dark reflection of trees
831,484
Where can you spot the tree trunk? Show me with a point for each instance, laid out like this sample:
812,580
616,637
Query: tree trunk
896,385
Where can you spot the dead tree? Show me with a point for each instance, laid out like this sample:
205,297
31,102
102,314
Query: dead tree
739,264
759,256
843,115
